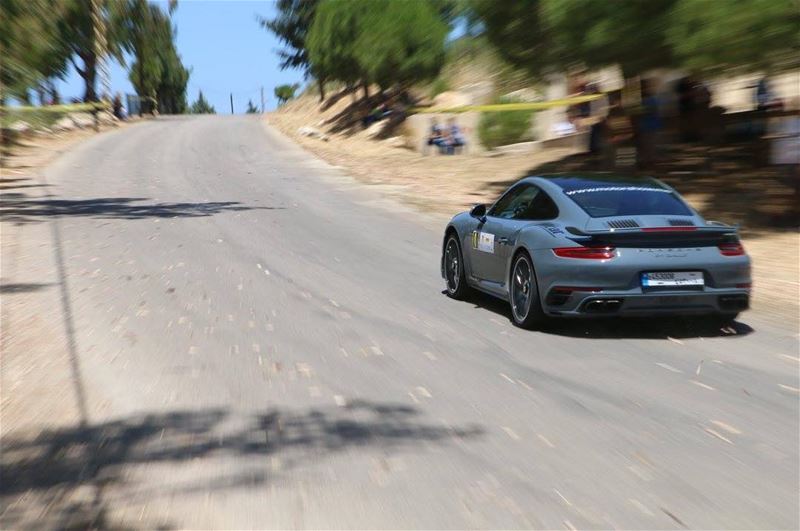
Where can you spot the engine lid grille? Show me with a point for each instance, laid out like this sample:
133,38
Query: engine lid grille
681,222
622,224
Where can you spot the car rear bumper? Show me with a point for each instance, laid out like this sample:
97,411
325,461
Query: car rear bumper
576,287
630,303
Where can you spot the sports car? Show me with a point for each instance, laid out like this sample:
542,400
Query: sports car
592,245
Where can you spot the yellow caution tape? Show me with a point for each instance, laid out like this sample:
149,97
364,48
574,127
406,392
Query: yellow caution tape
500,107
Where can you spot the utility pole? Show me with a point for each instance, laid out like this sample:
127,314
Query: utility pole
231,102
262,99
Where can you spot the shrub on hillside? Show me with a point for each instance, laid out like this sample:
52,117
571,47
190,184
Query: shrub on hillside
500,128
438,86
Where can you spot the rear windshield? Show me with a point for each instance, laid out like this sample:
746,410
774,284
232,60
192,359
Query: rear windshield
606,201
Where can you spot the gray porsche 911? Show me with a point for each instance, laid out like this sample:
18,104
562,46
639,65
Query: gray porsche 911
590,245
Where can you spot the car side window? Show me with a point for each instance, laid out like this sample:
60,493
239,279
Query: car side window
514,203
540,208
526,202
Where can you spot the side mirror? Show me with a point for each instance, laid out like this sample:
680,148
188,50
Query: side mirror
478,211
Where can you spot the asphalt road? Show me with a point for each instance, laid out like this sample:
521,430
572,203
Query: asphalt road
258,341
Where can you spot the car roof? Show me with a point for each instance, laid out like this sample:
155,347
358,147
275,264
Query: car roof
570,182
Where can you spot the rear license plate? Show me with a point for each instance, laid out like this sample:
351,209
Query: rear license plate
673,279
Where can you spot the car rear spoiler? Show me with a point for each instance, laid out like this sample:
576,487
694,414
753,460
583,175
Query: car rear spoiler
682,236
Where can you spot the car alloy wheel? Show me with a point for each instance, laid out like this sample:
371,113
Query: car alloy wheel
521,288
452,263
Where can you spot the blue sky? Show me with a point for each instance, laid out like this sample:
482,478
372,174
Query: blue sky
227,50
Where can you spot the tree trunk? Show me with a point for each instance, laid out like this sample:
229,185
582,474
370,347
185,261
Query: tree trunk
41,94
89,75
366,91
55,99
321,86
141,85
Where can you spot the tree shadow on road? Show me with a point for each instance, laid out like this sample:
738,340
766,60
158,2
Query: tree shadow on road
71,477
22,287
620,328
16,183
20,208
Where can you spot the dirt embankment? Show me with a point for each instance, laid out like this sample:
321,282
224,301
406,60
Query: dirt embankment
435,183
716,182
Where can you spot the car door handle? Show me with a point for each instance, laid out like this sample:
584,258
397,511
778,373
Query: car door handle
504,241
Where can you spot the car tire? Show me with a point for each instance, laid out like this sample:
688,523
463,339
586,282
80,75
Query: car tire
454,274
523,293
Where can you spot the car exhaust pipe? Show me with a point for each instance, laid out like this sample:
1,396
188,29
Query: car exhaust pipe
736,303
602,306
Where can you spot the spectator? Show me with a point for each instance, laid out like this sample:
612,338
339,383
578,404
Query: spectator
118,109
702,111
436,136
585,108
598,109
684,90
377,114
564,128
765,98
650,125
620,149
371,117
455,138
763,95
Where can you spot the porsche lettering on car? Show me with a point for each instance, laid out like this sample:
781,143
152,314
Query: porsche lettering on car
591,245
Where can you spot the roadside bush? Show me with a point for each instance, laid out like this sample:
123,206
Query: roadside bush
35,117
500,128
438,86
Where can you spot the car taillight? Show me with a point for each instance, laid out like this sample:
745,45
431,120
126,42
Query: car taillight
570,289
587,253
731,249
669,229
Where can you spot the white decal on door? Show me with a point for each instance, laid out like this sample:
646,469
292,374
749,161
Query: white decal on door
486,242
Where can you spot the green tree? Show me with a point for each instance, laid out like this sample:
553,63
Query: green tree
251,108
201,105
330,40
400,42
284,93
145,35
707,35
171,92
291,26
31,49
381,41
747,34
452,11
545,35
516,30
595,34
76,32
156,73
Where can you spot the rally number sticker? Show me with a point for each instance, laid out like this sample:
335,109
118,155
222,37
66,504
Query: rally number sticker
483,241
